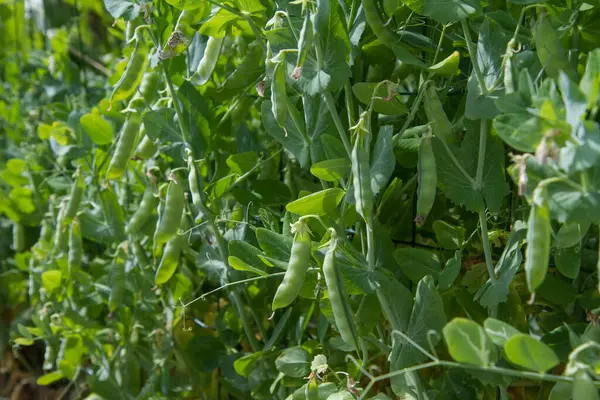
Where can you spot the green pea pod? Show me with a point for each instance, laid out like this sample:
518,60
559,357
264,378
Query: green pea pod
117,280
132,76
139,254
75,198
124,148
539,231
304,45
75,247
509,76
279,93
209,60
170,218
18,237
427,184
337,294
377,24
146,149
143,213
297,266
448,66
440,124
170,259
149,87
60,235
363,195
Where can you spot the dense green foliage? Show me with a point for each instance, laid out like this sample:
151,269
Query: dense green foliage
307,199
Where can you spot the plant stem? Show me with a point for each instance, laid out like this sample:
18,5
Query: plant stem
487,249
338,123
473,55
483,134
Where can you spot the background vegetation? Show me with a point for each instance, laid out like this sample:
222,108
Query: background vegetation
308,199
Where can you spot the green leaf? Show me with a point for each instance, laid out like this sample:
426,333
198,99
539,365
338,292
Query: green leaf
550,51
417,263
590,82
51,280
244,364
584,387
160,125
331,170
383,160
319,203
427,315
50,378
530,353
448,236
241,163
468,343
294,362
490,50
400,300
456,168
444,11
568,261
520,131
186,4
571,234
450,272
333,70
122,8
245,257
365,92
97,128
499,331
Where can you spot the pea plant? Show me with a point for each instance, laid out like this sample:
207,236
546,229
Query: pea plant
352,199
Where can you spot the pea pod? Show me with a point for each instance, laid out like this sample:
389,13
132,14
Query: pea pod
117,279
440,124
132,76
170,259
149,87
125,146
60,235
139,254
143,213
209,60
377,24
196,186
146,149
539,231
75,254
427,182
509,78
304,45
279,93
170,218
297,266
361,172
448,66
18,232
337,294
75,198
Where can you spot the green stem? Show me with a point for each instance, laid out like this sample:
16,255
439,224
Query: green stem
338,122
483,134
473,55
256,31
185,132
487,248
349,103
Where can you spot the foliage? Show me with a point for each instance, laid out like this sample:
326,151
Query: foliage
428,169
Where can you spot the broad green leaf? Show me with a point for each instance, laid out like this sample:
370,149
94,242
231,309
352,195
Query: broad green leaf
342,395
449,237
468,343
568,260
561,391
294,362
417,263
51,280
550,51
530,353
590,82
382,160
274,244
244,364
457,167
490,49
331,170
584,387
50,378
400,301
160,125
499,331
290,138
521,131
319,203
444,11
97,128
245,257
365,92
553,285
241,163
186,4
427,315
450,272
122,8
574,100
571,234
331,72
